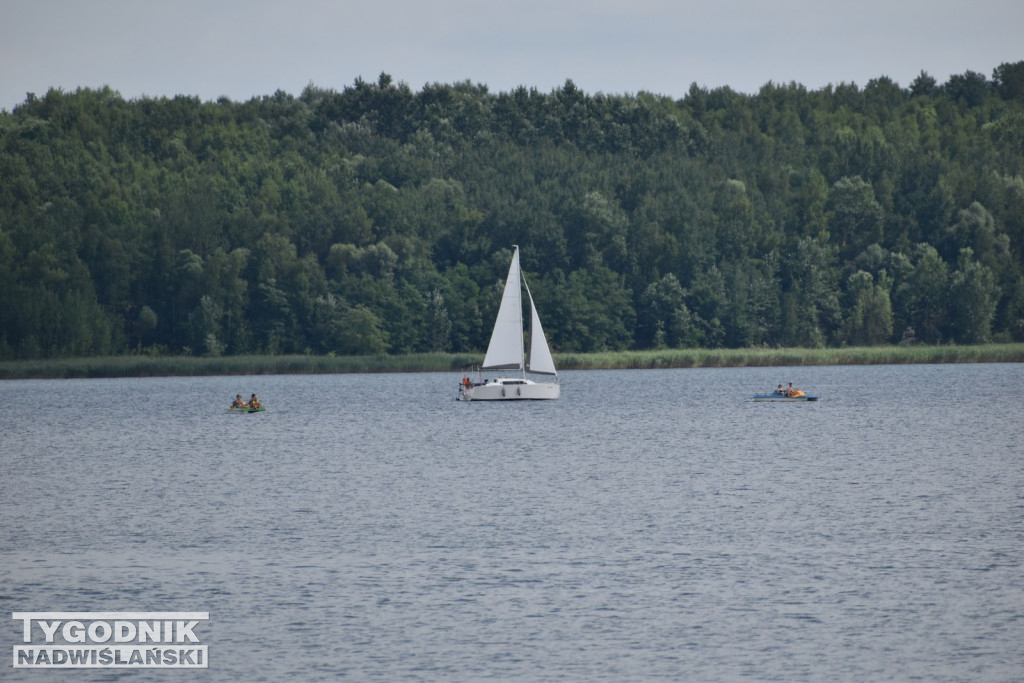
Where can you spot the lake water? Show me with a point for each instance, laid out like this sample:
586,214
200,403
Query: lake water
648,525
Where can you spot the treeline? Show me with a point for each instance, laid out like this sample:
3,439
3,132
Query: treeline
378,220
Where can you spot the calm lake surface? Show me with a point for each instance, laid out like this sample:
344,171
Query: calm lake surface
648,525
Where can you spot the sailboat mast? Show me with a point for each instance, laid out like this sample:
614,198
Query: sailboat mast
519,307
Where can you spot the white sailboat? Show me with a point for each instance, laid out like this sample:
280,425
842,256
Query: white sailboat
506,350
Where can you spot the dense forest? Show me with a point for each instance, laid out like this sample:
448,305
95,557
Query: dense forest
379,220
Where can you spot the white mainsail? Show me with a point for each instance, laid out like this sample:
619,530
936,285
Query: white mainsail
505,351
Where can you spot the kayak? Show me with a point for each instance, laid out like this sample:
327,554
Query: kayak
782,398
245,409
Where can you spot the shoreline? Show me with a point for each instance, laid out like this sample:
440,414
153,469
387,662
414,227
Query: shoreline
188,366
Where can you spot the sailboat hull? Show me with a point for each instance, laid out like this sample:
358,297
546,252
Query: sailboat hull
505,389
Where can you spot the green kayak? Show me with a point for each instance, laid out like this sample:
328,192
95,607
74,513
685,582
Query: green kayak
246,409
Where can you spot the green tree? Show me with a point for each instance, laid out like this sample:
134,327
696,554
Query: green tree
856,217
924,85
227,287
808,197
921,297
810,305
870,319
347,330
973,297
734,221
975,228
663,319
145,323
970,88
591,311
1008,80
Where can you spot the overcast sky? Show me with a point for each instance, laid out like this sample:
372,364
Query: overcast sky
246,48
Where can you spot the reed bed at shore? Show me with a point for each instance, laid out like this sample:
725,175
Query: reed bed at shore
733,358
170,366
146,366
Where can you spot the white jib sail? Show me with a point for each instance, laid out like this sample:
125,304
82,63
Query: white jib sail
539,358
505,351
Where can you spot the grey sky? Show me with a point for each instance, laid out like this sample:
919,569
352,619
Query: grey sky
242,49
